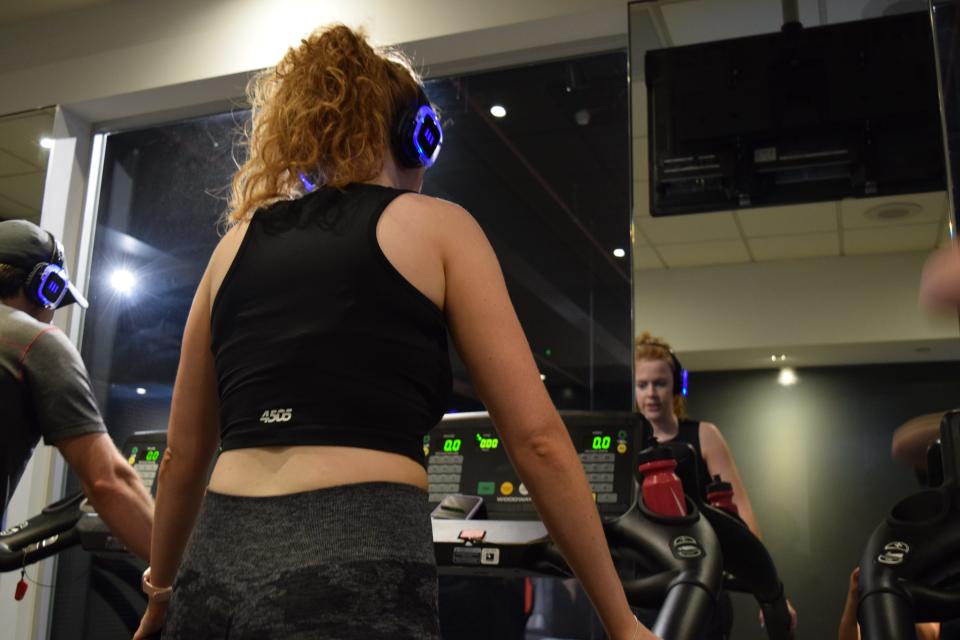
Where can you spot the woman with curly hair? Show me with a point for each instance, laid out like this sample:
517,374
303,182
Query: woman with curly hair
315,356
660,398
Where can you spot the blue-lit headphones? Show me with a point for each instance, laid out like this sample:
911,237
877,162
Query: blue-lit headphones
680,375
47,283
417,135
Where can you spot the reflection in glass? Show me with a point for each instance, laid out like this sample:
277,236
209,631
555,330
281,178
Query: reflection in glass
25,145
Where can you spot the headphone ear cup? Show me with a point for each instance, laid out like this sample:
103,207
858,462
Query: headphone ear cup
31,286
679,388
403,138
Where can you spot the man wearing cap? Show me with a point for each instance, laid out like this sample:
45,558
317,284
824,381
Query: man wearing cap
45,390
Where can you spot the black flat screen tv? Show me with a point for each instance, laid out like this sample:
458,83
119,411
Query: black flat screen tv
801,115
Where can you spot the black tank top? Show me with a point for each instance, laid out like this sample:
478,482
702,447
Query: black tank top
689,432
319,340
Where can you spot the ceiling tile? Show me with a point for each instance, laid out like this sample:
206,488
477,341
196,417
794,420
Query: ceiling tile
10,210
26,189
20,135
709,20
645,258
944,235
915,237
809,245
856,213
702,227
778,221
697,254
11,165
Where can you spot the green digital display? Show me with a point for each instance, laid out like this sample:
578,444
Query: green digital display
601,443
486,443
452,445
152,456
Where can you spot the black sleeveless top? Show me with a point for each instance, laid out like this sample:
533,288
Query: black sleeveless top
319,340
690,433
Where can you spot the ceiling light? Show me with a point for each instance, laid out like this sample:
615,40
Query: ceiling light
141,391
543,376
46,143
787,377
619,253
893,211
582,117
497,111
773,358
782,357
122,281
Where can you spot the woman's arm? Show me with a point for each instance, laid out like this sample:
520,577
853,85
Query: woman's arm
192,439
719,461
849,629
488,337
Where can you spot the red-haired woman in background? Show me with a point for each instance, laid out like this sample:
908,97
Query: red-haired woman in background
660,399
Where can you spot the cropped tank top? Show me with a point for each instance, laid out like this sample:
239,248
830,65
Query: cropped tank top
697,473
319,340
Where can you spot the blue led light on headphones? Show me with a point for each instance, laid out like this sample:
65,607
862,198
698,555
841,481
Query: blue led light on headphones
427,128
683,383
309,186
52,286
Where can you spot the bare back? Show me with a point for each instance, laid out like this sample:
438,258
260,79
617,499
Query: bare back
411,246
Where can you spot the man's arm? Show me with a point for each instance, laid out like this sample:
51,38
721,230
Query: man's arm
113,488
912,439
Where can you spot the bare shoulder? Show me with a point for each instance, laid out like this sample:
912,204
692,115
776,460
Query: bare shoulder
710,437
710,430
437,213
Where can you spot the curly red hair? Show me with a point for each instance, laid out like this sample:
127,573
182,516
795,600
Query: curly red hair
646,347
325,111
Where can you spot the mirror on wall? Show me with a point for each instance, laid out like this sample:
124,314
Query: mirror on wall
24,150
794,304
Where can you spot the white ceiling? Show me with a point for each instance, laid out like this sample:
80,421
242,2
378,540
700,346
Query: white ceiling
20,10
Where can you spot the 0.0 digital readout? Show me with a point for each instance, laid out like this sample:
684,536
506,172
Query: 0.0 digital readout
601,443
152,456
451,445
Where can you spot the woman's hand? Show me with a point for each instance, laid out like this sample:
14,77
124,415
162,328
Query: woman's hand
152,621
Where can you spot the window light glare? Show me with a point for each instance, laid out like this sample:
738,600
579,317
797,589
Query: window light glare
122,281
497,111
46,143
618,252
141,391
787,377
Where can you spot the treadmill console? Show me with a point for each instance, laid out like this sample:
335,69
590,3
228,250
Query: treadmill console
465,455
144,450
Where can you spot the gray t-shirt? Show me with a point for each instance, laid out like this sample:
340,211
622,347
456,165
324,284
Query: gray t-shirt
44,392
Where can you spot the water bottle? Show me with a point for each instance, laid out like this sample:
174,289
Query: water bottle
662,490
720,495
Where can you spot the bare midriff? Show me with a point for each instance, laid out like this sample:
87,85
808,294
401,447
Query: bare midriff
274,471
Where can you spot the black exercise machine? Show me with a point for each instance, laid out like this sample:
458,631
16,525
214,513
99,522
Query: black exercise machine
910,570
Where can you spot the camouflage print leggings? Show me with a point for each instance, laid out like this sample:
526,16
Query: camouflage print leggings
354,561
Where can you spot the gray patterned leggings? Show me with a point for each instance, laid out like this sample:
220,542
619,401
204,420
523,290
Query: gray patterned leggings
348,562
